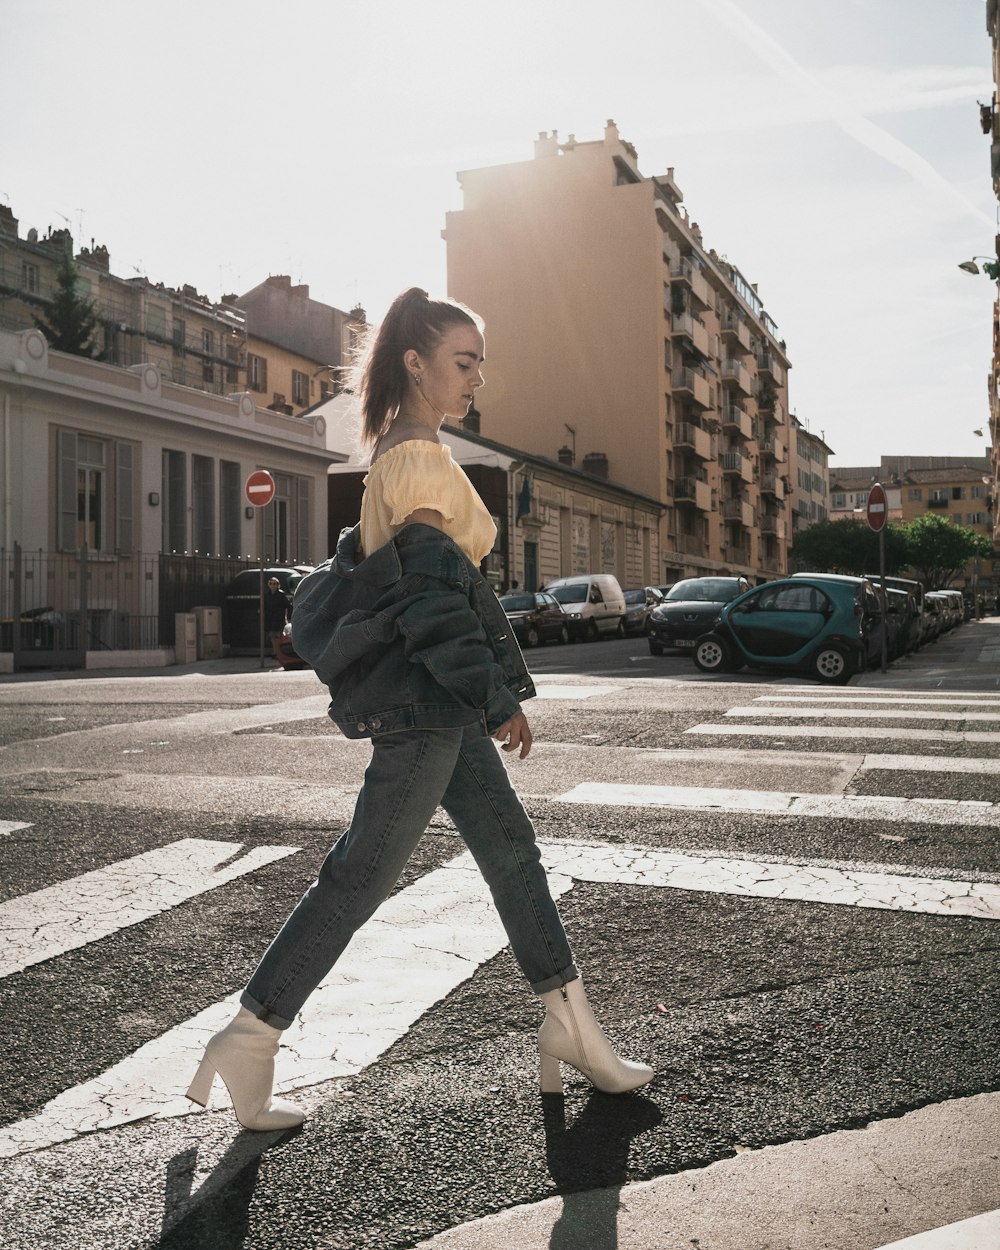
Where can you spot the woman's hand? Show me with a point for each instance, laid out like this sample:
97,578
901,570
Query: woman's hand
517,734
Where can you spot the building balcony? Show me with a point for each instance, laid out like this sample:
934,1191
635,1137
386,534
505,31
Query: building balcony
772,524
739,511
685,326
692,544
736,332
733,371
771,484
768,363
693,492
736,420
690,274
690,382
736,555
734,464
937,503
773,447
695,439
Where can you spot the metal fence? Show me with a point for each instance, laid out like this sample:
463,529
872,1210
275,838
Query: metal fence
56,606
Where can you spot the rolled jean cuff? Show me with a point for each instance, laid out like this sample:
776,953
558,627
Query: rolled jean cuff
263,1013
552,983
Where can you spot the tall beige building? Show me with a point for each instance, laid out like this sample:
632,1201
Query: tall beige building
618,342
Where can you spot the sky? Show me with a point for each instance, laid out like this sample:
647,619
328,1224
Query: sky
832,151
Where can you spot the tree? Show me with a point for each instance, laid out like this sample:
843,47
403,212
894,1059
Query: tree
71,319
939,550
848,546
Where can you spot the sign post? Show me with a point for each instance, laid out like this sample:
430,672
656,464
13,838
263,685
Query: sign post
259,490
877,514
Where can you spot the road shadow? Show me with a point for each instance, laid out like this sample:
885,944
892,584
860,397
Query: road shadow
588,1160
217,1214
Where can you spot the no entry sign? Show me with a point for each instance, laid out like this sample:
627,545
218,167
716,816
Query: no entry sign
877,512
260,488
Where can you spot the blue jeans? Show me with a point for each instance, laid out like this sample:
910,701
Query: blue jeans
410,774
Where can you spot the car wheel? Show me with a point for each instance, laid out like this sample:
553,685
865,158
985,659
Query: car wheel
532,638
833,664
712,654
563,634
591,631
655,649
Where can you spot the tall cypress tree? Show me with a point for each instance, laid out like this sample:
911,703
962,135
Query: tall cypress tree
71,319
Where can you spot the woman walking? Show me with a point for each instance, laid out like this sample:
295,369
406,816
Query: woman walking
418,657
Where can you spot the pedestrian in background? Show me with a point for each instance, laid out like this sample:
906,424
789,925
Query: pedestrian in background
276,609
418,656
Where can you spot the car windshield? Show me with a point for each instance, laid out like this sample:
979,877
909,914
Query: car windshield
517,603
705,590
570,594
635,596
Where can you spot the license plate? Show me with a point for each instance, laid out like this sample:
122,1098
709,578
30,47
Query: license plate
684,642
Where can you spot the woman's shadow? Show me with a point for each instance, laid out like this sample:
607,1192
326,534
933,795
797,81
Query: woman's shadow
588,1160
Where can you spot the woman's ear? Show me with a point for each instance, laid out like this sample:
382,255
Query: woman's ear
411,361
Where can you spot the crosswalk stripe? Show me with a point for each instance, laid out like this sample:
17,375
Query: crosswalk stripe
440,929
863,713
555,690
981,1232
853,733
787,803
12,826
906,700
38,926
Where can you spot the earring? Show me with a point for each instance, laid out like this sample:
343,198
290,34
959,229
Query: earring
416,378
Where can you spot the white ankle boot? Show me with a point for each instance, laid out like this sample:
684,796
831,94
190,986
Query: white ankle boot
243,1055
570,1033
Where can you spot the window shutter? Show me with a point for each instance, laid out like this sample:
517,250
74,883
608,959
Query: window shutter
124,497
303,543
68,503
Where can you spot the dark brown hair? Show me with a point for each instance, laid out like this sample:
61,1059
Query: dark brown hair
413,320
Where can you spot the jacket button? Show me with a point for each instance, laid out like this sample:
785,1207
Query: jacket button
361,726
376,723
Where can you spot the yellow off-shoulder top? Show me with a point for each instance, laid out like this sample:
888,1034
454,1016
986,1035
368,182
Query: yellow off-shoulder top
421,474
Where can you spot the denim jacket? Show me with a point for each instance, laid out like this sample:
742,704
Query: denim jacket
411,637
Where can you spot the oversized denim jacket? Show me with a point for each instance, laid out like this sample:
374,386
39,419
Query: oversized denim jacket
411,637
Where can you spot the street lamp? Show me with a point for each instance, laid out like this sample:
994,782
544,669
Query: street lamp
991,266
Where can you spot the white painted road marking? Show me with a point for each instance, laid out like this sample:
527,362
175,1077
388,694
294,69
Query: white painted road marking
12,826
428,939
63,917
788,803
863,712
852,732
553,690
982,1232
972,700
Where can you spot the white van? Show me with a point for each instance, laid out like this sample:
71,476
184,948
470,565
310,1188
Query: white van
593,603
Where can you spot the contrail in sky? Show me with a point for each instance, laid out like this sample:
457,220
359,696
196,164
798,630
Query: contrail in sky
860,128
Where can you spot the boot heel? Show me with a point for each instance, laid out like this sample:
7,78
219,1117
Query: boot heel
201,1086
550,1074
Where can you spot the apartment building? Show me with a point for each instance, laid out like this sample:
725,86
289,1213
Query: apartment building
850,487
616,339
962,494
990,121
810,477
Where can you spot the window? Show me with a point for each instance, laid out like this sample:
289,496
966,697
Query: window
180,335
256,373
958,492
230,508
208,350
156,321
173,501
975,518
300,389
232,362
29,278
203,504
792,599
915,493
840,501
95,505
288,520
979,492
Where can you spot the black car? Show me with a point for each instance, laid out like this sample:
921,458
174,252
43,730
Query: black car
638,605
689,609
241,606
535,618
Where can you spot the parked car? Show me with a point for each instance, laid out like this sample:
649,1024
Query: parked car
638,605
916,589
535,618
593,602
241,605
689,609
284,650
903,624
824,626
951,605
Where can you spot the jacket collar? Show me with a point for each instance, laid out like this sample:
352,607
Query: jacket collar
416,548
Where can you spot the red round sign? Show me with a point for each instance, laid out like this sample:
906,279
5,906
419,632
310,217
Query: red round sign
878,509
260,488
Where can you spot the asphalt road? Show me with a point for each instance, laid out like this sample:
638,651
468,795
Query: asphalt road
155,829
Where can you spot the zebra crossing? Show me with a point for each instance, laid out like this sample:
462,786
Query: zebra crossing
446,915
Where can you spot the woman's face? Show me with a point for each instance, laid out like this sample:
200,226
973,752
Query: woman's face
451,375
